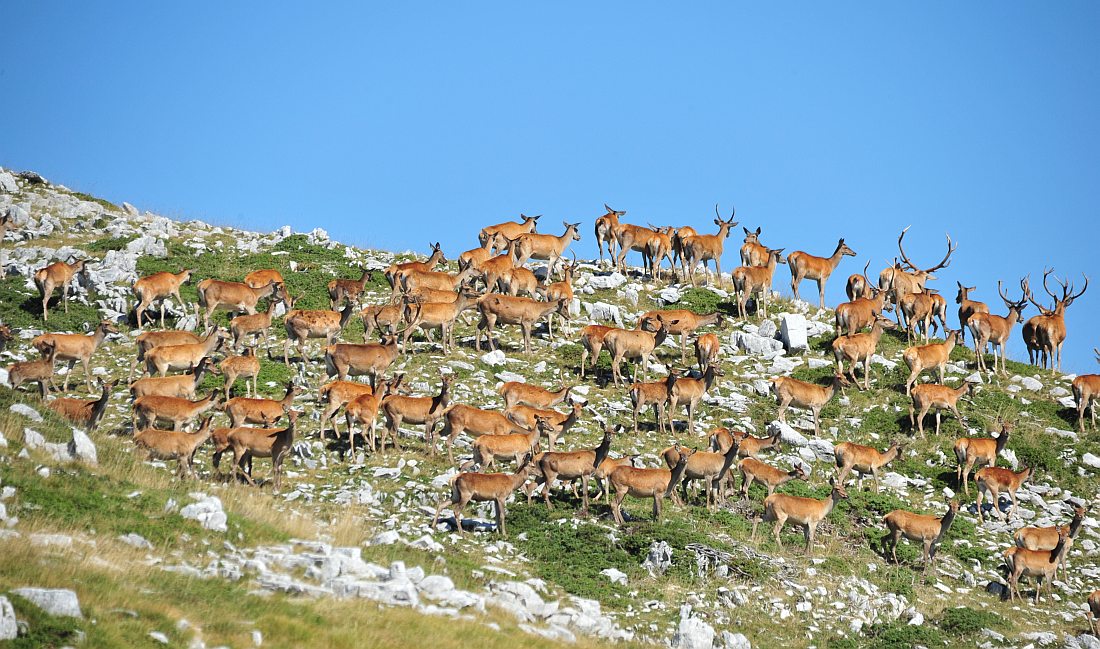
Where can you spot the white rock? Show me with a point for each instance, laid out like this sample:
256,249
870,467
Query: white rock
55,601
767,329
136,540
9,627
754,343
207,510
614,280
604,312
1031,383
82,449
494,358
616,576
792,331
735,641
7,184
693,633
1091,460
26,411
787,434
159,637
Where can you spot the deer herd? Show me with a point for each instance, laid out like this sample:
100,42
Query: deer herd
493,282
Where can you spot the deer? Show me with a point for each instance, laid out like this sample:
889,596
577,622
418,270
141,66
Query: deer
678,257
705,247
1094,612
1086,391
302,324
898,281
995,480
753,470
918,307
75,347
159,287
256,326
634,344
976,452
263,277
183,386
592,341
1040,564
59,274
751,280
635,238
681,322
753,253
988,328
562,290
1048,329
85,413
235,296
150,409
516,393
352,359
851,317
39,371
926,396
519,279
512,310
489,448
689,391
383,317
557,423
647,483
545,246
720,439
859,285
707,349
174,445
244,410
415,280
159,360
395,272
494,268
246,366
570,466
806,266
363,410
927,357
347,289
484,487
603,471
654,393
6,334
507,230
151,339
337,394
803,394
807,512
428,411
863,460
859,348
460,418
249,443
709,467
929,531
657,249
967,307
475,257
606,228
1046,538
437,315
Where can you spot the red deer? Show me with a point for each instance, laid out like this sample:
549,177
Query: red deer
75,347
806,266
59,275
159,286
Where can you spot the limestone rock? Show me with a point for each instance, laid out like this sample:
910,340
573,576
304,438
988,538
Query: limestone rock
55,601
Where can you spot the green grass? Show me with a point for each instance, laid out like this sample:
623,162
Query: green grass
23,308
110,243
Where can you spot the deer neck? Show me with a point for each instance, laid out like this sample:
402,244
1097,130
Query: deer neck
1075,525
519,477
834,498
949,344
675,475
945,523
728,459
1002,441
659,336
890,454
709,377
834,260
1059,550
99,406
440,402
345,315
200,371
287,399
211,342
601,451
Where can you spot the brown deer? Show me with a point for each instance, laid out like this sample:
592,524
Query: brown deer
490,448
246,367
634,344
396,272
701,248
749,281
976,452
557,423
851,317
39,371
1086,391
858,284
806,266
919,528
437,315
679,258
689,391
654,393
244,410
508,230
59,274
995,480
657,249
681,322
159,360
363,410
475,257
635,238
174,445
859,348
709,467
383,317
159,286
1040,564
85,413
863,460
428,411
752,252
1046,538
558,291
516,393
350,359
335,395
707,349
256,326
414,280
150,409
249,443
301,325
592,341
967,307
263,277
807,512
720,440
234,296
917,307
898,281
545,246
929,357
484,487
1048,330
802,394
1094,612
606,229
570,466
183,386
75,347
461,418
753,470
150,339
347,289
988,328
926,396
511,310
647,483
519,279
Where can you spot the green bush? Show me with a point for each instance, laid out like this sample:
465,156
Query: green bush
968,621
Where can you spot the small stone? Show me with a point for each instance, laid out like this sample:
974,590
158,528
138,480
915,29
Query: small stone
1031,383
616,576
26,411
55,601
159,637
494,358
1091,460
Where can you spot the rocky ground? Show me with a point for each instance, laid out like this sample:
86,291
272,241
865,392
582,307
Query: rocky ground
354,534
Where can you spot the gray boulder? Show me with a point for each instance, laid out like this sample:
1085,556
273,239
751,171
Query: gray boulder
755,344
693,633
9,626
7,183
55,601
792,331
614,280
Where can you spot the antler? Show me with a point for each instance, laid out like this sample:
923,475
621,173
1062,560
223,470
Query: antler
1074,297
733,212
1046,273
946,258
902,250
865,278
1025,284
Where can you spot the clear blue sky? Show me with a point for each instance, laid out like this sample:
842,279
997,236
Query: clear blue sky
396,124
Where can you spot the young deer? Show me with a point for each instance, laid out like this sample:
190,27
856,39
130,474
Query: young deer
709,467
525,394
364,411
802,394
968,308
59,275
976,452
301,325
606,230
807,512
246,367
461,418
416,410
933,395
437,315
174,445
244,410
689,391
263,277
634,344
706,247
557,423
183,386
347,289
1040,564
654,393
592,341
753,470
475,257
995,329
85,413
234,296
707,348
256,326
350,359
863,460
159,286
512,310
1046,538
721,439
151,409
152,339
928,357
859,348
807,266
159,360
484,487
562,290
249,443
919,528
571,465
750,280
647,483
995,480
514,446
39,371
681,322
752,252
1086,391
851,317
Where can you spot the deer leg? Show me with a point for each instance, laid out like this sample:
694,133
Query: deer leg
616,506
821,292
811,530
780,519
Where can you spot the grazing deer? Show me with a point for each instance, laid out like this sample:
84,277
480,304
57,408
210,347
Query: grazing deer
256,326
59,274
1086,391
859,348
1040,564
558,291
592,341
681,322
507,230
428,411
1046,538
995,480
347,289
647,483
159,360
606,228
249,443
634,344
460,418
898,281
150,409
234,296
159,286
85,413
707,349
807,512
705,247
863,460
75,347
301,325
484,487
919,528
570,466
544,247
151,339
183,386
967,307
807,266
851,317
802,394
709,467
516,393
1046,333
689,391
976,452
751,280
752,252
39,371
174,445
988,328
437,315
244,410
926,396
928,357
246,367
511,310
351,359
263,277
656,394
772,478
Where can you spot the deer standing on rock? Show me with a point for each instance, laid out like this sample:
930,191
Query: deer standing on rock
701,248
806,266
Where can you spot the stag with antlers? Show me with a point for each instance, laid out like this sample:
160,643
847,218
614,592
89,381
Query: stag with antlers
900,282
1045,333
994,329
